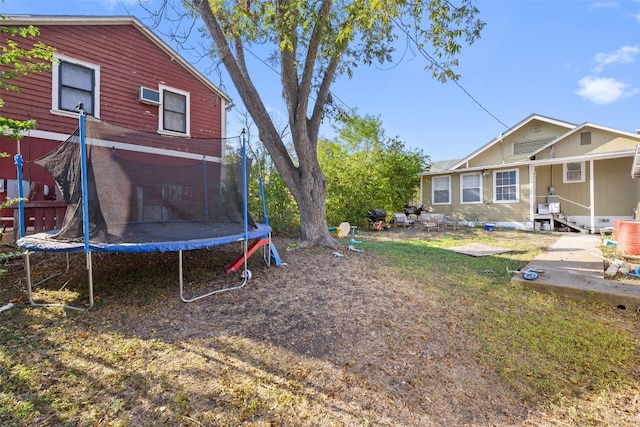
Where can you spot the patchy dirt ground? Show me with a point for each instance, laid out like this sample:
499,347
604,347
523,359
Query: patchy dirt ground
352,344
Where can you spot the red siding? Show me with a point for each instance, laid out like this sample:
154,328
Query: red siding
127,60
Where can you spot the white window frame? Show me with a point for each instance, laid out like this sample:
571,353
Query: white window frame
516,185
187,96
433,189
462,188
565,173
55,85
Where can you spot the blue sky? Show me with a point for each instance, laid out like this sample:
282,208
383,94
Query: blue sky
573,60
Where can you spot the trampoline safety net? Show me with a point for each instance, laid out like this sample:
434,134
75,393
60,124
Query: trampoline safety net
136,196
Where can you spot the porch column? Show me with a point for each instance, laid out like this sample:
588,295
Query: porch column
533,195
592,192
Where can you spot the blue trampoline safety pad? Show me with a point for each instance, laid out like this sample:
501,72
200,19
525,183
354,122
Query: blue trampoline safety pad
47,241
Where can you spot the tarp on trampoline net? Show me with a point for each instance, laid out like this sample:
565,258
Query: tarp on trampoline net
136,196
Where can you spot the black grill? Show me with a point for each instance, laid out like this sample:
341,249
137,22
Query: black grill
375,215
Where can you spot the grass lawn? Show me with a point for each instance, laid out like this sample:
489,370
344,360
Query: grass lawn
406,333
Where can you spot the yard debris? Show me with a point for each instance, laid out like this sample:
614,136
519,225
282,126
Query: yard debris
614,268
6,307
617,267
635,272
528,274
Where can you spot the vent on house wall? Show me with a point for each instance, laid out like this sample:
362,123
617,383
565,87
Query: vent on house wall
585,138
149,96
527,147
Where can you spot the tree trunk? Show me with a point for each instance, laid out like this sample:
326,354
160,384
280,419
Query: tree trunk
311,198
307,184
306,181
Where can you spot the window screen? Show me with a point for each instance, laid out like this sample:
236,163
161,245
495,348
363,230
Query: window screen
506,186
471,188
174,112
573,172
76,85
441,190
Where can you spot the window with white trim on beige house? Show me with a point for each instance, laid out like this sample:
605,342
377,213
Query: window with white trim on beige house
441,190
505,186
573,172
471,188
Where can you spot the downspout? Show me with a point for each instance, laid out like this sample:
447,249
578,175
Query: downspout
592,204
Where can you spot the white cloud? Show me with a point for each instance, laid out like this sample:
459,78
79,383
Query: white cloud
624,55
602,90
603,4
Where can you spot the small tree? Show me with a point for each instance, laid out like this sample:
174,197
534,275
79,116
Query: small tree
16,62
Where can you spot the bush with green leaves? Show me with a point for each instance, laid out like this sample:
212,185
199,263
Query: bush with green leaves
367,170
364,170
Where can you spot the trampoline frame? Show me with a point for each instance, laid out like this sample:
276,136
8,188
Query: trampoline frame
30,242
37,243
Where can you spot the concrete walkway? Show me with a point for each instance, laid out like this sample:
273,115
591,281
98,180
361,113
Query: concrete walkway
573,269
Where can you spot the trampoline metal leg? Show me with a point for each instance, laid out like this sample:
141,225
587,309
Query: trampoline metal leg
217,291
69,307
55,274
90,274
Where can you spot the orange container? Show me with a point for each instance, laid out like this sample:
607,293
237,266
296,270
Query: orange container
627,235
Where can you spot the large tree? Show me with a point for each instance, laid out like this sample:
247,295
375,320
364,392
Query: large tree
312,43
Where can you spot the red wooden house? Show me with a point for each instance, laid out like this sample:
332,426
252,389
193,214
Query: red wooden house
122,73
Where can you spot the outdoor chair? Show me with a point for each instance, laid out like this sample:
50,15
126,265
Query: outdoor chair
401,220
429,221
451,221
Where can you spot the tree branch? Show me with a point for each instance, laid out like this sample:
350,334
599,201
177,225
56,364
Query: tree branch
246,89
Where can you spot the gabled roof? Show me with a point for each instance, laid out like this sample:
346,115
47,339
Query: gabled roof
40,20
511,130
441,166
579,129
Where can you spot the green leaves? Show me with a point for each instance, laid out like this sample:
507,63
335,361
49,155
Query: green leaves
313,43
15,62
367,170
18,61
13,128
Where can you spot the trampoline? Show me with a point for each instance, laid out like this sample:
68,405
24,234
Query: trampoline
124,197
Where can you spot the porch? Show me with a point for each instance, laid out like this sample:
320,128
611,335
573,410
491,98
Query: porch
586,197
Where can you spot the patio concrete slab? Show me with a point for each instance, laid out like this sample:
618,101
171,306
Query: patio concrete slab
573,268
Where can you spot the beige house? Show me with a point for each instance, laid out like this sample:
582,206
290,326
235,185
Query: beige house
543,173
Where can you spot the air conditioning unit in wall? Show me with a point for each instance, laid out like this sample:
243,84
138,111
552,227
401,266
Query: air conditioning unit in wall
149,96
